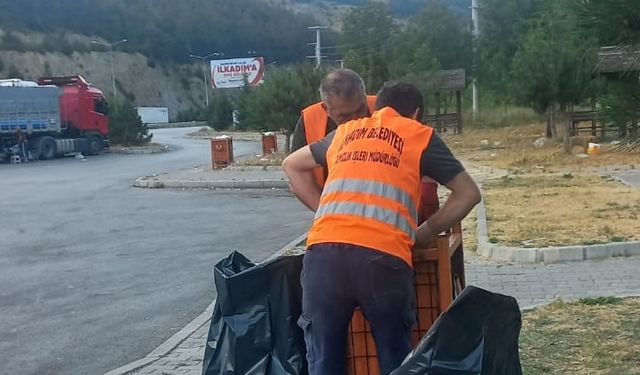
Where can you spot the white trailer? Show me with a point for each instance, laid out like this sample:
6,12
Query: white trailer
153,115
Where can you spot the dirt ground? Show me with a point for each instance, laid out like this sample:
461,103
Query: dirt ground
512,148
544,197
555,209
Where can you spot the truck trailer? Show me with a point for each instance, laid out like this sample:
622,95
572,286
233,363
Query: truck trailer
58,115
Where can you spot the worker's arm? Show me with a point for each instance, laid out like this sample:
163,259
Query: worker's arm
439,163
299,168
465,194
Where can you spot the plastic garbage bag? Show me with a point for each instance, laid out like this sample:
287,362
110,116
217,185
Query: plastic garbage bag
253,329
477,335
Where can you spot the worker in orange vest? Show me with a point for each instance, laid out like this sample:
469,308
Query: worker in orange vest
365,225
343,96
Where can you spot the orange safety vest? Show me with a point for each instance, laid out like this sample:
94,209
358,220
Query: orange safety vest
315,120
372,193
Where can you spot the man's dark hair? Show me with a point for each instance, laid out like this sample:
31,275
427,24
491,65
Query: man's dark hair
404,98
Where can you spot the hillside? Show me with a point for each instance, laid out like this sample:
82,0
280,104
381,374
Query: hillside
400,8
144,82
164,30
154,68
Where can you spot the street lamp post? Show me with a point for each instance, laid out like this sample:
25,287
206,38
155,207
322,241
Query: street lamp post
111,45
204,72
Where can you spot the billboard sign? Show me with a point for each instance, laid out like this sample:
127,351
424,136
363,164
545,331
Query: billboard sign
232,73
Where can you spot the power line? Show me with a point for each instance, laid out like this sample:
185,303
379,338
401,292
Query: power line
318,44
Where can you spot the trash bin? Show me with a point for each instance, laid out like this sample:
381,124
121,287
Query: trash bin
269,143
439,277
221,151
429,203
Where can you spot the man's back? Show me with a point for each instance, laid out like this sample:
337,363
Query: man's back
374,180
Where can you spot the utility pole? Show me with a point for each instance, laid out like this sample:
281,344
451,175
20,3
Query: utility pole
204,73
318,44
476,34
113,76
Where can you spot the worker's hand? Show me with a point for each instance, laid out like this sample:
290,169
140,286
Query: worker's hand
465,194
424,235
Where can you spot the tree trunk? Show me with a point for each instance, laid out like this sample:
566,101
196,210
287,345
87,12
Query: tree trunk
551,122
566,134
634,129
549,133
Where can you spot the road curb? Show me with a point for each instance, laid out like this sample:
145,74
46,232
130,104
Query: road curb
145,182
139,150
547,255
191,327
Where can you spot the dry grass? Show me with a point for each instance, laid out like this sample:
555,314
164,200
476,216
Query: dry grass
545,209
593,336
512,148
469,242
207,132
266,160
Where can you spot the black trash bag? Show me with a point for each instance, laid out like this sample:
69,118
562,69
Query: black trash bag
477,335
253,329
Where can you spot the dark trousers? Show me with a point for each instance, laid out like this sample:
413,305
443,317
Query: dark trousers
338,277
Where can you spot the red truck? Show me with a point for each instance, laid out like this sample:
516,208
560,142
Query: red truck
56,116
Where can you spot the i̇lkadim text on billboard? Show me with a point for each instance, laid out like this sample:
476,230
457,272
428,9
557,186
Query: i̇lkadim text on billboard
233,73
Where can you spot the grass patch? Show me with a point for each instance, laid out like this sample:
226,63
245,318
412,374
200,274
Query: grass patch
207,132
542,209
503,116
591,336
267,160
600,301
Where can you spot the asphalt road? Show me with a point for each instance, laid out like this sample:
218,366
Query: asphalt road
95,274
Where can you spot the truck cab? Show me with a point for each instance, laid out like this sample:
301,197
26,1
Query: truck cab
83,110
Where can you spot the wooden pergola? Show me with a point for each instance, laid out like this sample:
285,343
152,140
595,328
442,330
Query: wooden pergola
438,84
611,60
618,59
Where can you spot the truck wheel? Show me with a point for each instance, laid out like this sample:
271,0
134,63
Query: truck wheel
95,145
47,148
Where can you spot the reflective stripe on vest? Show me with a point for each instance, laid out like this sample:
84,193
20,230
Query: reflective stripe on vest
373,188
369,211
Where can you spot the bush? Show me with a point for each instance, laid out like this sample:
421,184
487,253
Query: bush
125,126
14,73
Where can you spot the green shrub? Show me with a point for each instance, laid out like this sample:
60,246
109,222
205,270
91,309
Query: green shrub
125,126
